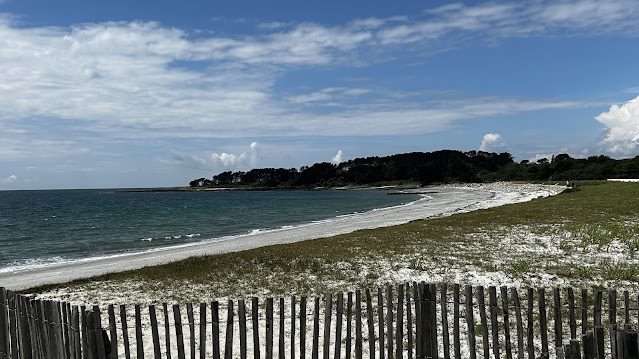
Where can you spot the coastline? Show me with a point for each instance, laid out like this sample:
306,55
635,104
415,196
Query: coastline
445,200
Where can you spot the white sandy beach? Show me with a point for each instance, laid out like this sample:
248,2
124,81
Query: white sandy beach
440,201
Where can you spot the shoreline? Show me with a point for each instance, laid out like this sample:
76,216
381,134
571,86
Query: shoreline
445,200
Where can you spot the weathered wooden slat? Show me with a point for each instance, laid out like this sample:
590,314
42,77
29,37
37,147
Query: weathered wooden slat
38,327
177,320
65,330
626,307
269,328
506,316
155,334
72,334
399,328
358,324
97,328
328,308
60,328
38,350
571,314
456,334
241,313
215,329
83,319
584,311
293,303
113,331
139,344
24,335
543,322
302,328
381,323
409,322
228,348
75,319
470,320
494,325
481,302
597,309
599,341
202,343
627,344
256,327
94,330
14,349
339,312
167,331
371,325
349,324
530,324
518,322
280,347
54,335
5,340
191,323
588,340
557,319
432,301
389,323
612,320
316,318
419,337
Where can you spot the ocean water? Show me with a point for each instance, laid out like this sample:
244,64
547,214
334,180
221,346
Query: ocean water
40,228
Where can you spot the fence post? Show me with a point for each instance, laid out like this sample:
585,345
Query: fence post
471,322
627,344
543,324
4,325
256,328
371,325
588,341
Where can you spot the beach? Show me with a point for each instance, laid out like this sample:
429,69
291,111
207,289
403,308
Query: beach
439,201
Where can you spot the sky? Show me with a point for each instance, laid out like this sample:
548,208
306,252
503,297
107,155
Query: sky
104,94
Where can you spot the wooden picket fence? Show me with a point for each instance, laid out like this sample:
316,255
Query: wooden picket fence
411,320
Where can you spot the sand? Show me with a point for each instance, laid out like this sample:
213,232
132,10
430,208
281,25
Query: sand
439,201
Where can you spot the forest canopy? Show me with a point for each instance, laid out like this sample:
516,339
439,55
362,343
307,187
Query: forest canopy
427,168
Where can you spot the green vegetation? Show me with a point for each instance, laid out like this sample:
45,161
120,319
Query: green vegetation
429,167
585,236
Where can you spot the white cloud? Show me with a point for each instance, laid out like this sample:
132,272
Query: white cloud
539,156
338,158
523,18
132,80
328,94
491,142
621,136
218,161
10,179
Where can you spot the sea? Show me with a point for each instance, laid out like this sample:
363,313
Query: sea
44,228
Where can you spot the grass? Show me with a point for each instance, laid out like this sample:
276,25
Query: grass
586,234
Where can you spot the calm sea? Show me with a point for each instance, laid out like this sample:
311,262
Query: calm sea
38,228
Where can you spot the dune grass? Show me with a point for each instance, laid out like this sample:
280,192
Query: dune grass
589,234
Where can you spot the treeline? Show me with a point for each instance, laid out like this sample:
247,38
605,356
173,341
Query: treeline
429,167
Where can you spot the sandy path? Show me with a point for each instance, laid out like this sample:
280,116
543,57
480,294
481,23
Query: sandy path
442,201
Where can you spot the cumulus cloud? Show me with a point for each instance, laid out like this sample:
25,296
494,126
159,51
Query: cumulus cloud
218,161
338,158
621,136
491,141
10,179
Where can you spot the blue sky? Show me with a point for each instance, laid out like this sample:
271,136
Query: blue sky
155,93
